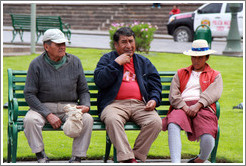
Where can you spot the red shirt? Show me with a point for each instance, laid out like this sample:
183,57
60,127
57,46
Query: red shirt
129,88
174,11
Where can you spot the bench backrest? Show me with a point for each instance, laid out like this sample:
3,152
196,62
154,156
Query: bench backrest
21,21
16,83
48,22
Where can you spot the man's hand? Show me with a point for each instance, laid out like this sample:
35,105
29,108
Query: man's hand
150,106
194,109
54,121
123,58
84,108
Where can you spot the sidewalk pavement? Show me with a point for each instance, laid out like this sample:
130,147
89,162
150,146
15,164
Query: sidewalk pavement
110,162
101,40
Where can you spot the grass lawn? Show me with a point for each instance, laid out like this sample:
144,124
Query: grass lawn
230,149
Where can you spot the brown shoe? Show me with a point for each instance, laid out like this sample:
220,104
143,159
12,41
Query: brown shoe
130,161
192,160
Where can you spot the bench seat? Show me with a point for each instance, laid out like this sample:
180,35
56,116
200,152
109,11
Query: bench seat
17,109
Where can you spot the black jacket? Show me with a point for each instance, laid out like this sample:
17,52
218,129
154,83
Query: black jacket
108,77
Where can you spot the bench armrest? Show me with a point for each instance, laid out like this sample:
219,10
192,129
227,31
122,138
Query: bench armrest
15,109
66,25
10,111
217,109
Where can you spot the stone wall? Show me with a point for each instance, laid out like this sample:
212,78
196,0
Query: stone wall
100,16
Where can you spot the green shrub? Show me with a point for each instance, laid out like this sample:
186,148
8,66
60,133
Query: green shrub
144,33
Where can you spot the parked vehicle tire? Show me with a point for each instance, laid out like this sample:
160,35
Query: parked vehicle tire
183,34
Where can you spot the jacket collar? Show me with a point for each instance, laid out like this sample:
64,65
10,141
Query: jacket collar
206,69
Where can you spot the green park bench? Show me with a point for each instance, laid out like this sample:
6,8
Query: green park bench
22,22
17,109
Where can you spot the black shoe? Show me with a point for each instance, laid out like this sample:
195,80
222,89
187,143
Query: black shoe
5,105
75,159
239,106
42,158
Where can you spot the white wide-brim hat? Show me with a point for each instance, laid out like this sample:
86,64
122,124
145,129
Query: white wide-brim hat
54,35
199,48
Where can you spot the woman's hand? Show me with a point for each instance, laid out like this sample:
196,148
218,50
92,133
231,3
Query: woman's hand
186,109
194,109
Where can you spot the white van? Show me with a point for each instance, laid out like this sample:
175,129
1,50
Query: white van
216,15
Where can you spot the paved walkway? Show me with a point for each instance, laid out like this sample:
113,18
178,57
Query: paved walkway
110,162
100,39
159,161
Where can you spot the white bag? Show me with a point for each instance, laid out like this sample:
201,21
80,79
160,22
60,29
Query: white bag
73,125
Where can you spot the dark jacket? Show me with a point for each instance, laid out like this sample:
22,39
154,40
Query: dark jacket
108,77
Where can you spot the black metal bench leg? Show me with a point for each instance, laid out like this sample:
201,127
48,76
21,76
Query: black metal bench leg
21,35
115,156
9,145
108,147
214,152
14,34
38,36
14,145
68,34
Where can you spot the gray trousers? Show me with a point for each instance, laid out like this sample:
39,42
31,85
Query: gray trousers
117,114
34,122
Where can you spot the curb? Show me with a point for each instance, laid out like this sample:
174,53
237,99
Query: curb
96,32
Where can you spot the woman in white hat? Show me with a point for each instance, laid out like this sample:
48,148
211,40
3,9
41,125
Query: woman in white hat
193,93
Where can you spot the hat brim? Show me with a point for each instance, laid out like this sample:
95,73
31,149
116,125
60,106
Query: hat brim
198,53
58,41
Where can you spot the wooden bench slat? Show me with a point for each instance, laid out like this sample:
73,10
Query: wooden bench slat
22,103
19,95
166,87
93,95
18,87
22,113
90,79
165,103
167,73
19,72
19,79
165,95
93,112
94,103
166,79
92,87
162,112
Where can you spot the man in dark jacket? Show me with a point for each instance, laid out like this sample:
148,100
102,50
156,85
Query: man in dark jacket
129,89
